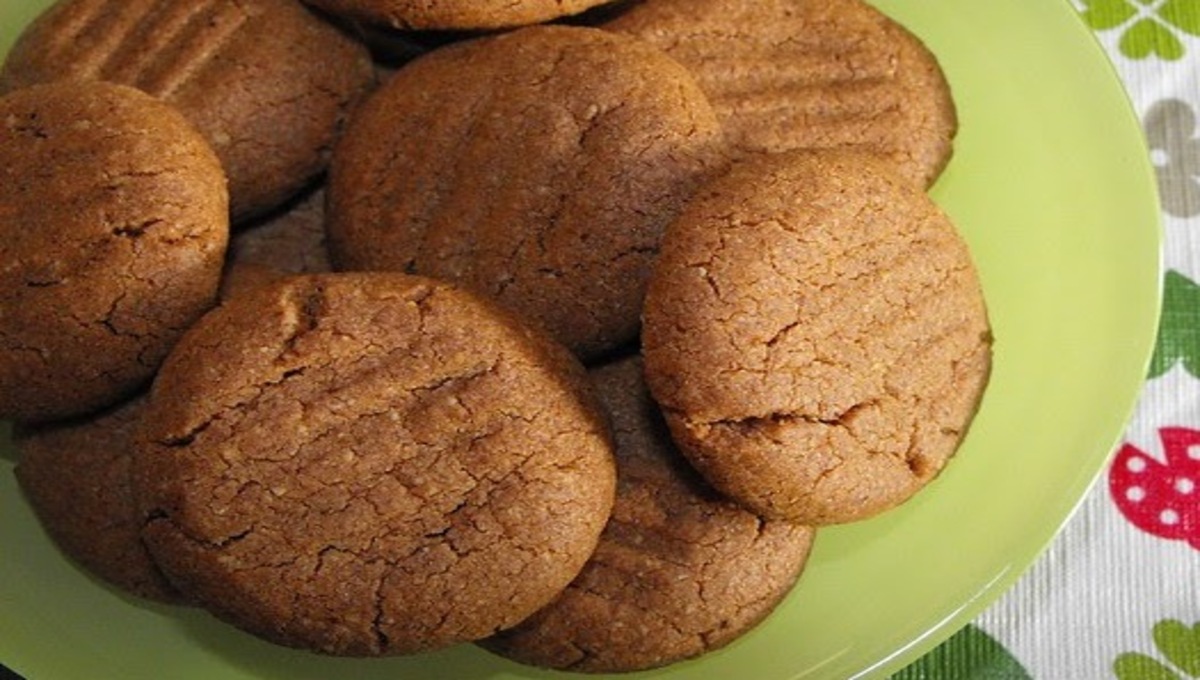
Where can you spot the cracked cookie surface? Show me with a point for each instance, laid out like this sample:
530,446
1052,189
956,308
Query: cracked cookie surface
371,464
809,74
75,475
266,82
817,336
538,168
679,571
454,14
113,226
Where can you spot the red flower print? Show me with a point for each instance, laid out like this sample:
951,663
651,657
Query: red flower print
1161,498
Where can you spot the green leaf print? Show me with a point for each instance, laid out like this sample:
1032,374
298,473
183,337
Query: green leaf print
1148,27
969,653
1148,37
1134,666
1182,14
1179,330
1176,641
1104,15
1180,644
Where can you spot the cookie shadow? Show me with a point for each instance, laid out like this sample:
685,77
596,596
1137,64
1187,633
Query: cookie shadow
8,451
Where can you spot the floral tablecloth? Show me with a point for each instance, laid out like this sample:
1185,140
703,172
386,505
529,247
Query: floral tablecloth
1117,595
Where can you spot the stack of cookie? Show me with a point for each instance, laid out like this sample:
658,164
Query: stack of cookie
563,339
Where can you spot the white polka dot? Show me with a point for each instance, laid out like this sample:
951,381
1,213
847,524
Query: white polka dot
1136,464
1160,158
1169,517
1135,493
1193,452
1184,485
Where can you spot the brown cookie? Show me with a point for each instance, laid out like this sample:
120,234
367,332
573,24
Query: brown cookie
816,334
369,464
113,227
679,571
538,167
290,242
928,117
454,14
809,74
75,475
265,81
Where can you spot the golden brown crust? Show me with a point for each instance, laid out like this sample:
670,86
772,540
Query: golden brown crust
75,475
455,14
679,571
113,226
808,74
816,333
371,464
266,82
538,168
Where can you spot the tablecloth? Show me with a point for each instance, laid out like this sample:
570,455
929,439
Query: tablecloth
1117,594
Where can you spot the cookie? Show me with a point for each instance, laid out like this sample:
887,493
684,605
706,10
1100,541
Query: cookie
75,475
538,168
816,334
454,14
113,228
267,82
371,464
809,74
290,242
928,116
679,571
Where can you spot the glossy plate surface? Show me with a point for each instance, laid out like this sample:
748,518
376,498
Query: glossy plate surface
1052,186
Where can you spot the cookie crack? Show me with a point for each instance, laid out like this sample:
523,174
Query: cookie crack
778,336
48,282
31,126
756,422
189,436
594,120
308,311
110,324
10,345
228,541
824,474
136,229
378,622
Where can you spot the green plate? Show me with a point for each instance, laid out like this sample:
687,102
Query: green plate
1052,186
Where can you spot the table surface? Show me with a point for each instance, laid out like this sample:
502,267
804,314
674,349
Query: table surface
1117,595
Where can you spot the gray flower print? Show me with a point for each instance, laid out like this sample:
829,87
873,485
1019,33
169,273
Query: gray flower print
1175,150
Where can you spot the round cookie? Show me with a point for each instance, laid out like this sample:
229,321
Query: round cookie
75,475
371,464
816,334
538,167
290,242
266,82
809,74
679,571
454,14
113,228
